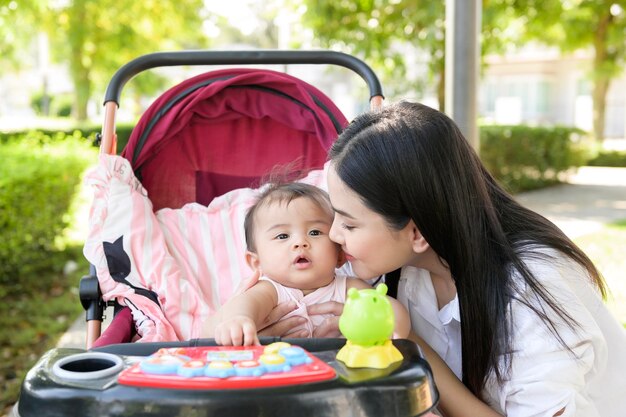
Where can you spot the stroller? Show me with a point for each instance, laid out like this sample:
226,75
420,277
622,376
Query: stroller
198,152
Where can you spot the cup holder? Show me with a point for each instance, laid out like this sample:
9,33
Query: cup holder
88,366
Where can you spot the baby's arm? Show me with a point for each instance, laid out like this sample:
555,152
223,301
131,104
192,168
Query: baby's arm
402,320
236,322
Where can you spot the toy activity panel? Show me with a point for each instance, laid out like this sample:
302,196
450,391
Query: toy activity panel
227,367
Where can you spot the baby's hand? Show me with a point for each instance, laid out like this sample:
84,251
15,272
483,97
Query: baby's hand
236,331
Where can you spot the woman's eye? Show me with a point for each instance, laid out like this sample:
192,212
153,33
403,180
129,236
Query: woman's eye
315,233
345,226
282,236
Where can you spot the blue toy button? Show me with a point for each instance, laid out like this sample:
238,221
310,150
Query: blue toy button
162,364
295,356
220,369
191,369
249,368
274,362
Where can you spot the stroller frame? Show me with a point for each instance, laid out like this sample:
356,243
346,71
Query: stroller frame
90,295
110,379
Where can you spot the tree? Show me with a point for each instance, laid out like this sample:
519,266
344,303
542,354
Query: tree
374,27
599,25
17,30
95,38
382,31
99,37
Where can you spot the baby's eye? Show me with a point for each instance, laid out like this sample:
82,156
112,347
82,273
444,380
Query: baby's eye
282,236
345,226
315,232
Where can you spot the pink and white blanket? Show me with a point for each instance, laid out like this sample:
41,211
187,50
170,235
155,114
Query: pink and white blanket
175,267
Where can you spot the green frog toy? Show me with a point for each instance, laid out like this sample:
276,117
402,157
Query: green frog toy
367,322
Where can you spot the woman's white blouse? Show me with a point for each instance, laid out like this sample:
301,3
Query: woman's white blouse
545,377
441,329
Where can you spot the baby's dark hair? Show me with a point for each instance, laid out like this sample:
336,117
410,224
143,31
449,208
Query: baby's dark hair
283,193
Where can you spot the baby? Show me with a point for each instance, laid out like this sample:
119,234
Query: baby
287,238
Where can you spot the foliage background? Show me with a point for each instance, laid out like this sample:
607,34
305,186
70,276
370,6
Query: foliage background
40,264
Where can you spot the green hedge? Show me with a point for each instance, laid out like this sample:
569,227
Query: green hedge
39,175
123,132
609,159
40,171
524,158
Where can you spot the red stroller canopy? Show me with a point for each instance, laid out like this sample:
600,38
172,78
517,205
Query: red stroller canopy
227,129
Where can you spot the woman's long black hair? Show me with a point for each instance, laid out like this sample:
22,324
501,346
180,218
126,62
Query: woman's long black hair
409,161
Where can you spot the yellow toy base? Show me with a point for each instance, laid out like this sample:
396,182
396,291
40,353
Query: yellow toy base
379,357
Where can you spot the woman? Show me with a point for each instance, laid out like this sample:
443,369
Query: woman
499,292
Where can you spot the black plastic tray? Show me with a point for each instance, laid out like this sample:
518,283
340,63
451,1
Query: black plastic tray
405,389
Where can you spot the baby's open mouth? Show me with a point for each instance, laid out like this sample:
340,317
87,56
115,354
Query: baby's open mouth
302,261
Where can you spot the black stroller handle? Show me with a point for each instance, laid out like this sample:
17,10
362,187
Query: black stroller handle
251,57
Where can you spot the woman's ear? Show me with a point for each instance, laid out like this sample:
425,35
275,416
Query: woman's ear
418,242
252,259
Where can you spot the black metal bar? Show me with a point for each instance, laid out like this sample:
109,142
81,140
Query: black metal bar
254,57
91,298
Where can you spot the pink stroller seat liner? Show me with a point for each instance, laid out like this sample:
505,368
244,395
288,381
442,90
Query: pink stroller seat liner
173,267
166,224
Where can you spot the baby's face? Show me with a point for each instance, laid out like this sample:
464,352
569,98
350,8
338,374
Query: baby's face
293,247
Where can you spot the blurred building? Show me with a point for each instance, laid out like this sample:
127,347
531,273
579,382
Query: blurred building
539,86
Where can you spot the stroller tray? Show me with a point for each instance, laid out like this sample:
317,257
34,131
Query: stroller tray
294,377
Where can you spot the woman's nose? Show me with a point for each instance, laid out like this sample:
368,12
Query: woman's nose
335,233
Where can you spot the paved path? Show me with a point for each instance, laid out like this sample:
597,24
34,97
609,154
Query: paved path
592,197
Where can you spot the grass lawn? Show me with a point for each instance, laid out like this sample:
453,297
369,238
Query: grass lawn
607,249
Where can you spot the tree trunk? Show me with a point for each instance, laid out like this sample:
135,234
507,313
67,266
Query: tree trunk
82,92
601,78
82,86
79,71
600,88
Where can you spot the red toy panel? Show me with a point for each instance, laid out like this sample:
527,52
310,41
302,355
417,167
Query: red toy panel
227,367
